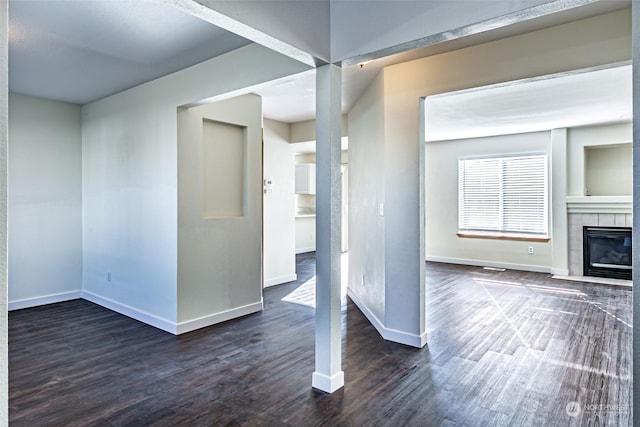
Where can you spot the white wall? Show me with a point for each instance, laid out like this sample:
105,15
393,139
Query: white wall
608,170
581,139
279,206
304,25
130,169
366,193
306,130
45,201
355,31
219,258
597,41
442,243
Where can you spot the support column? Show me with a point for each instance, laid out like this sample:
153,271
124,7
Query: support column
559,222
328,375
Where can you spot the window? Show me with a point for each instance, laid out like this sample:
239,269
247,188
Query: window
503,196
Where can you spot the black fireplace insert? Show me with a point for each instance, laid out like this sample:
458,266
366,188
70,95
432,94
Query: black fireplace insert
607,252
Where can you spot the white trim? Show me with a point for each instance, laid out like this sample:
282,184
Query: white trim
388,334
405,338
599,204
46,299
365,310
142,316
127,310
327,384
212,319
285,278
560,271
305,250
481,263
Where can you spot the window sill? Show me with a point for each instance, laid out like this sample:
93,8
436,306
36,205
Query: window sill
502,236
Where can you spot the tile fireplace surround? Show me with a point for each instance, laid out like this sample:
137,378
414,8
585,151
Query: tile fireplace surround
577,221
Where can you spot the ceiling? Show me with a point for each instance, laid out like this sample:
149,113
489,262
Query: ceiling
558,101
80,51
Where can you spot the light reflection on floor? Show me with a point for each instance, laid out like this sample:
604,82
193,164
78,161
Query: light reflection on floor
305,294
485,283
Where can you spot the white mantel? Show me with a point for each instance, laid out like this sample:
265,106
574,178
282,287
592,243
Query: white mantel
599,204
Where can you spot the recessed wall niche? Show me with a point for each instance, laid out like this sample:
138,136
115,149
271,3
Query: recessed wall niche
223,169
608,170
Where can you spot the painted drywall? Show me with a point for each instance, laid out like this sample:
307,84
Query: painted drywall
306,130
608,171
130,187
304,158
581,139
279,205
355,25
304,25
366,193
559,221
219,259
45,201
4,140
442,243
607,165
581,44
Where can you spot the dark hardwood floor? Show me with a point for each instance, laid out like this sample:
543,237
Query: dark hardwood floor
504,348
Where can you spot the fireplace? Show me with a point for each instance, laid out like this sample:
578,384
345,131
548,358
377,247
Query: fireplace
607,252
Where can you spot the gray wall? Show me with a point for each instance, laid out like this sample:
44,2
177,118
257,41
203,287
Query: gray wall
279,205
366,194
442,243
45,201
130,181
580,44
355,31
219,258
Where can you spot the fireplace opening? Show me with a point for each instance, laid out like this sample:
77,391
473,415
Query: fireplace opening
607,252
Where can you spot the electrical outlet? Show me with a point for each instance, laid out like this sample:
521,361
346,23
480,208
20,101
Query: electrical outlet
108,276
362,280
530,250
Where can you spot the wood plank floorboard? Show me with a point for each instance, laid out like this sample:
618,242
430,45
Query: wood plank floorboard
504,349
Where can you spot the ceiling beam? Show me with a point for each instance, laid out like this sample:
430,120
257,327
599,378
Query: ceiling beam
227,14
468,25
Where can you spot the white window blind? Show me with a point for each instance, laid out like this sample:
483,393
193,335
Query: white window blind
503,195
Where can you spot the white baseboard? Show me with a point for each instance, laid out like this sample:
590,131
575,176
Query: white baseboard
480,263
46,299
327,384
560,271
167,325
305,250
212,319
286,278
142,316
388,334
134,313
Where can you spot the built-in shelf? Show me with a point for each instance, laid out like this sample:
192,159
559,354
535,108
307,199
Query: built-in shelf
599,204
